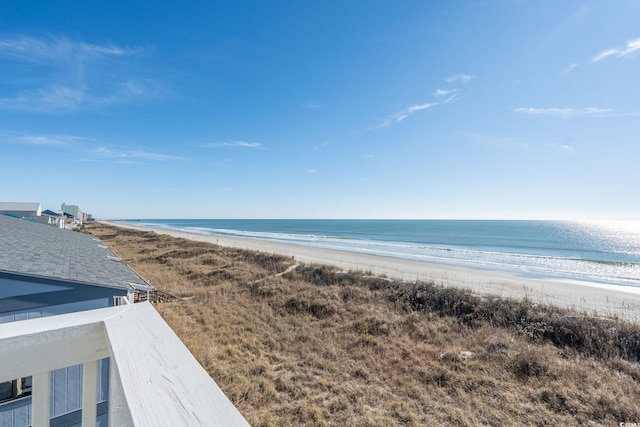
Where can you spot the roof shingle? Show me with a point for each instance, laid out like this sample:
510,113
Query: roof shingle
41,250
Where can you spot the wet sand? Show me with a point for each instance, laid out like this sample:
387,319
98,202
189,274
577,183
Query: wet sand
591,298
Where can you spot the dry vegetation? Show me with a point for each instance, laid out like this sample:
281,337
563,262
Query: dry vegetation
317,346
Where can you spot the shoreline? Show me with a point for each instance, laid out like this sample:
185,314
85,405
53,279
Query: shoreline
592,298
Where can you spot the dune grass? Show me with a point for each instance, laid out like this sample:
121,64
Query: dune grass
322,347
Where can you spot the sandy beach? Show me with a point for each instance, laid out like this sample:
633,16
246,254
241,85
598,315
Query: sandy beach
592,298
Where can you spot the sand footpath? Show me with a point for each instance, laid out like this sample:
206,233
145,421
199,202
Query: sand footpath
592,298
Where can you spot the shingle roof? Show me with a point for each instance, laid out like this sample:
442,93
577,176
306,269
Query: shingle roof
41,250
19,206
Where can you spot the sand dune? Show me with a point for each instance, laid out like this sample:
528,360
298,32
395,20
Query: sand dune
591,298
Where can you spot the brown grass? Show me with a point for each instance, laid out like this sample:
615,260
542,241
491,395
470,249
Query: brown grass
319,347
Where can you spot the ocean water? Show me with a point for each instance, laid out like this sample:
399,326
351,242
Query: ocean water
605,252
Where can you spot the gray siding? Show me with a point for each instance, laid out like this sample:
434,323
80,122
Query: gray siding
55,309
13,288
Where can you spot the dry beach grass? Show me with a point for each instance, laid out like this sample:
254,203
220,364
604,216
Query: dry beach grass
318,346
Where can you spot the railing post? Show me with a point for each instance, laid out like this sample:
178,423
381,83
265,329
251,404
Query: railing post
89,393
41,400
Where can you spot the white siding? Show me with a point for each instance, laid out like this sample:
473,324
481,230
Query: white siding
66,383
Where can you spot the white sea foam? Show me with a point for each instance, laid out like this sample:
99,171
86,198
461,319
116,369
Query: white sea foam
620,243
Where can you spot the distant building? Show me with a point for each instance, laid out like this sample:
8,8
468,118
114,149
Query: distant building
72,210
21,209
49,217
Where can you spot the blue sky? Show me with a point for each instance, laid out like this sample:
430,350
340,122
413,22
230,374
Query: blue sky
336,109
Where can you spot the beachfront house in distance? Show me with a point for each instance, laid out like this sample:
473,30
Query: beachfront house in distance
73,210
52,218
76,351
21,209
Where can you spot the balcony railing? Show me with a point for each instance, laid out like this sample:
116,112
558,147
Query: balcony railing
153,378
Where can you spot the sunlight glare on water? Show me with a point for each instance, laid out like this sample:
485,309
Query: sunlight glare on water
623,235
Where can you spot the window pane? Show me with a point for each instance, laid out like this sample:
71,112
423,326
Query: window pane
26,385
6,390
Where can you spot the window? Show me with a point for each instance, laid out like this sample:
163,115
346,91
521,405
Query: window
15,389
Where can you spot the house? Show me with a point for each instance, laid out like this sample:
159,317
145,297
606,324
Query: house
52,218
73,210
45,271
76,351
21,209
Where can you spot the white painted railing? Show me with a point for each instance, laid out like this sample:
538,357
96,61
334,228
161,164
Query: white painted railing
153,379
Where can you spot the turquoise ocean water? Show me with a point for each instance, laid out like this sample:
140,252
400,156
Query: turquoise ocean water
606,252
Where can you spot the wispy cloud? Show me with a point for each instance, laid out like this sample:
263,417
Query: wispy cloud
312,171
58,50
403,114
563,147
66,74
54,140
570,68
564,112
632,46
444,92
243,144
514,144
87,149
419,107
463,78
127,154
321,146
451,94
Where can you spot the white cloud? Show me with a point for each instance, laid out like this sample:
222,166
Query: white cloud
570,68
632,46
564,112
401,115
59,140
419,107
234,144
312,171
87,148
443,92
66,98
321,146
566,148
57,50
69,74
464,78
604,54
127,155
451,93
46,99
